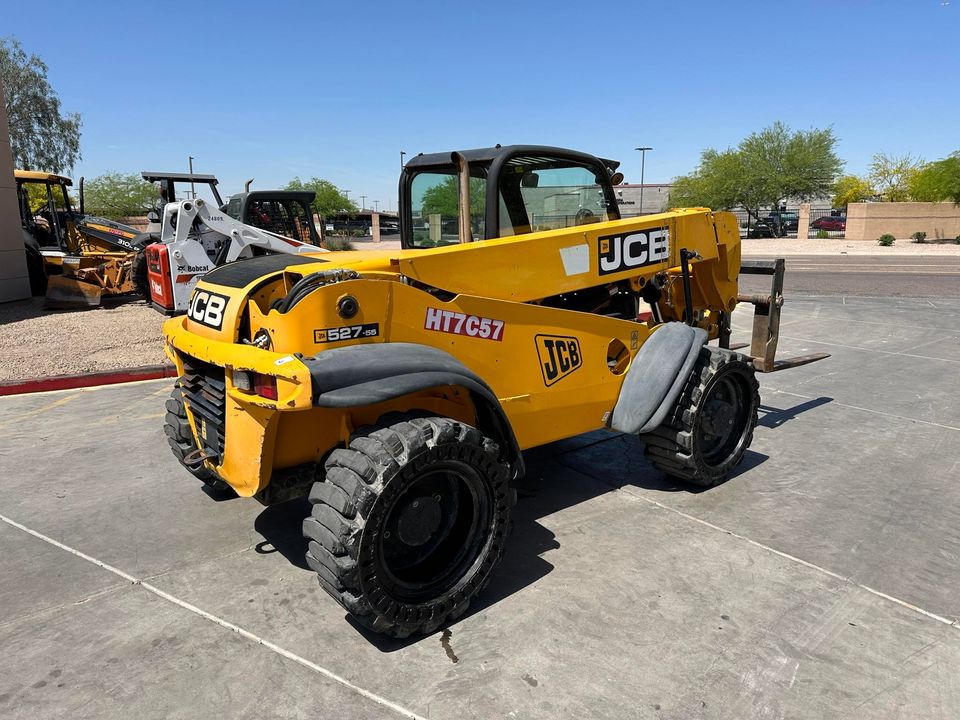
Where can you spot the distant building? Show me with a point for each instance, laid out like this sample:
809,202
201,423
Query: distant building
656,198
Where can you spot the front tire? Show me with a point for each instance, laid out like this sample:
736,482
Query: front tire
409,522
138,274
711,426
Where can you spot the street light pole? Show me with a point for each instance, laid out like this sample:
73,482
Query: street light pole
193,193
402,153
376,205
363,202
643,160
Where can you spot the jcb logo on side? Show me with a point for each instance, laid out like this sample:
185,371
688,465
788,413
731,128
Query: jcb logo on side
617,253
559,356
207,308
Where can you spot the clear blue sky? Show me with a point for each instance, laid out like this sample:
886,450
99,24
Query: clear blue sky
276,89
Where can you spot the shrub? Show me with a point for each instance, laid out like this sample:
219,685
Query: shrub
887,240
335,242
821,234
958,240
919,236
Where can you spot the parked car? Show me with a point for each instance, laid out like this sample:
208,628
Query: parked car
784,221
830,222
762,228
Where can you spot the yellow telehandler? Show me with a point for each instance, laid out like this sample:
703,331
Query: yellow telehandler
398,389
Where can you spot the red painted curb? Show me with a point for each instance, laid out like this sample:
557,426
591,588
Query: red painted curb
67,382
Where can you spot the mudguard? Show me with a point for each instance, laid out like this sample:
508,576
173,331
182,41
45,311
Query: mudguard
656,377
359,375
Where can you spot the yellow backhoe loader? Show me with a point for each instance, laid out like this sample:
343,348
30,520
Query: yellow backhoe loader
72,257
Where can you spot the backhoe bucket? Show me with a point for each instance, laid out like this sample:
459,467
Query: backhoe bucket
65,292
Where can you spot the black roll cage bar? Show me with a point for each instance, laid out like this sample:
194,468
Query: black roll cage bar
492,161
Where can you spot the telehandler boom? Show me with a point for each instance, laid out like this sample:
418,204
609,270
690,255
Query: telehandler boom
398,389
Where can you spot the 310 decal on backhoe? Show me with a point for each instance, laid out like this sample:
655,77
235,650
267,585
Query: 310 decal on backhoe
398,389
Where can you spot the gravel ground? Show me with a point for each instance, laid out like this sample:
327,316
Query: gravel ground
40,343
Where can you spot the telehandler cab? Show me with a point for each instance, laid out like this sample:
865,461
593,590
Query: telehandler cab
398,389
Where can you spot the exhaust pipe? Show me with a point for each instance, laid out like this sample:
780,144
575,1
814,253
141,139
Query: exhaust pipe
247,184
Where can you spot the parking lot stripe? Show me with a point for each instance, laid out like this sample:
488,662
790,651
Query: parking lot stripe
793,558
38,411
226,624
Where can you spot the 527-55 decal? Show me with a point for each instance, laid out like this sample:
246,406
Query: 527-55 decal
456,323
348,332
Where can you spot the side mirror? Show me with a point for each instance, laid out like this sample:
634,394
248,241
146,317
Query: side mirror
530,180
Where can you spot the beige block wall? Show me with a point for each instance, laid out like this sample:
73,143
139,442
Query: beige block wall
868,221
14,283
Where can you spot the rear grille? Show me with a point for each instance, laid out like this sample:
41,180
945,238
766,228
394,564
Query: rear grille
204,390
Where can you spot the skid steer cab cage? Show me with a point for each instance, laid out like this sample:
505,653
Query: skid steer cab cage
766,320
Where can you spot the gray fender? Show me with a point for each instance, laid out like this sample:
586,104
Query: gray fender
359,375
656,377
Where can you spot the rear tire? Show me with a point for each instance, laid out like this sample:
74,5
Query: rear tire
409,522
180,439
711,426
36,272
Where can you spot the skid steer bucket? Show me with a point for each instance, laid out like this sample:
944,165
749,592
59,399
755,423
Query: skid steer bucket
65,292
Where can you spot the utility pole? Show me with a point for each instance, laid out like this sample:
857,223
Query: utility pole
193,193
643,158
402,153
363,202
376,205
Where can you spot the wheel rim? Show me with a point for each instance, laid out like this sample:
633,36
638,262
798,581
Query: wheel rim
724,420
433,533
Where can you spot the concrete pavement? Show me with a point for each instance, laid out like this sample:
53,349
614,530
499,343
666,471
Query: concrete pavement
818,582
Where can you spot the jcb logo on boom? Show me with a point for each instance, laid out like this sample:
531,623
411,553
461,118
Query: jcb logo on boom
617,253
559,356
207,308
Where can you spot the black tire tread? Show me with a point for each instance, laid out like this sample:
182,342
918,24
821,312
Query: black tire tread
180,439
355,477
669,447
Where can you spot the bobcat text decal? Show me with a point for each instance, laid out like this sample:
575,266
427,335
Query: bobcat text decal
559,356
450,321
617,253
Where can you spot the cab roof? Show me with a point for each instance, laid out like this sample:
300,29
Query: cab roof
489,154
40,177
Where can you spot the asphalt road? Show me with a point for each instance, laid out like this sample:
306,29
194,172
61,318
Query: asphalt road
820,581
866,276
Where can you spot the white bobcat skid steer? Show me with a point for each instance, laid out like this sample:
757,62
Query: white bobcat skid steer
195,238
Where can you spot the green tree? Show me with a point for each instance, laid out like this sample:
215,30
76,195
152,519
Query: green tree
444,197
851,188
330,200
42,137
891,175
937,181
766,168
116,195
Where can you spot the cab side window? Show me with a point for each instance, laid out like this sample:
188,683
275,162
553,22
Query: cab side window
548,194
